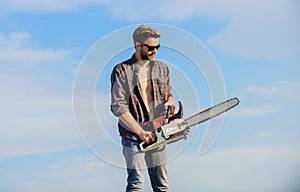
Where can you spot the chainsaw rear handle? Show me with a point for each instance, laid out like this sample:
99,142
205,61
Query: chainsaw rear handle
157,133
167,115
160,138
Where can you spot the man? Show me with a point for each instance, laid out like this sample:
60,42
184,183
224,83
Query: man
140,92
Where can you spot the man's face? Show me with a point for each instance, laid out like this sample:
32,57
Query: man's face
149,49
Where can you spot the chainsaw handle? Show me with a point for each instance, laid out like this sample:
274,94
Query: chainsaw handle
167,115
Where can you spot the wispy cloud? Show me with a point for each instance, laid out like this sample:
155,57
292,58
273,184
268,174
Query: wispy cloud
17,47
248,169
262,91
254,111
34,119
80,172
280,90
266,100
278,135
14,6
166,10
37,119
272,32
255,168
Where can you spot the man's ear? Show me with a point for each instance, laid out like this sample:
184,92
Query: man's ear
137,45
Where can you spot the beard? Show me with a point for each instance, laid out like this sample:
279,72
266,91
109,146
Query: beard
144,55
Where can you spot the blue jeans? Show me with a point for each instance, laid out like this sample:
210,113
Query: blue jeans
138,162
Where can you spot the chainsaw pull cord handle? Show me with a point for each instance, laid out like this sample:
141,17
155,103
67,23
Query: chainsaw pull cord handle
167,115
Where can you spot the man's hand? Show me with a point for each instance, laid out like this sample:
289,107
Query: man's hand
169,103
133,126
147,136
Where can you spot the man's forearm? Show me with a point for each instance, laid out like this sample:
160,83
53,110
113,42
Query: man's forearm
133,126
130,123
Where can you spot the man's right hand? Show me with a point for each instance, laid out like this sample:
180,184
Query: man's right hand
133,126
147,136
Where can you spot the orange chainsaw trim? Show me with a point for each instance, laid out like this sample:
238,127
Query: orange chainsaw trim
160,121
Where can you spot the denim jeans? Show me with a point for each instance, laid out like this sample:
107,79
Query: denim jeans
138,162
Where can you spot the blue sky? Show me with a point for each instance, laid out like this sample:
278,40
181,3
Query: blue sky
255,46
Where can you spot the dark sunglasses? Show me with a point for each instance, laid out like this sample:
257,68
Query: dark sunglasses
151,48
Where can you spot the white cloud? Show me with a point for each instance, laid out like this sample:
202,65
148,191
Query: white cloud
37,115
256,29
13,39
254,111
261,91
77,173
17,47
259,29
280,90
246,169
275,98
34,119
12,6
279,135
166,10
30,56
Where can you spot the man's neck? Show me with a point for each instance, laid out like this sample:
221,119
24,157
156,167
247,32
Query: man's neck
141,62
144,64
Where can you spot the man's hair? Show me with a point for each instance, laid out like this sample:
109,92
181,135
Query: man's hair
143,32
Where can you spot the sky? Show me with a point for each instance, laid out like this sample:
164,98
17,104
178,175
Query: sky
58,133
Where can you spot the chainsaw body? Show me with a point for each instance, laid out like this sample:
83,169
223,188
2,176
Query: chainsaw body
173,129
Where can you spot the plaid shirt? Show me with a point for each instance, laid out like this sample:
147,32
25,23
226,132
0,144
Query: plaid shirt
126,93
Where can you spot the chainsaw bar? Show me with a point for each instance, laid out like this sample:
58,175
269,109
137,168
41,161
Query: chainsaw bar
211,112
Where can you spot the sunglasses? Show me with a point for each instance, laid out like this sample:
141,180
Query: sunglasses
151,48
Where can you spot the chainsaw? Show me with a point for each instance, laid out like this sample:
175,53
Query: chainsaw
175,128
